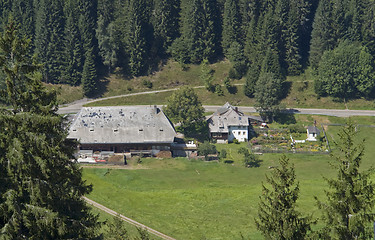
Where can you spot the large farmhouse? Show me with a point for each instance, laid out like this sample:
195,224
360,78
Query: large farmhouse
134,129
228,123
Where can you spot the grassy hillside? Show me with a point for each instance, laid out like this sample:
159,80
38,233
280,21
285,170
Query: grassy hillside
299,89
190,199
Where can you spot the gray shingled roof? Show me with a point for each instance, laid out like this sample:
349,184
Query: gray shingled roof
125,124
313,129
227,116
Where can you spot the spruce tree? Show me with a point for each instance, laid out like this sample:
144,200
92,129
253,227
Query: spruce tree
136,39
277,214
87,25
199,30
89,76
231,25
267,95
348,211
322,36
72,56
165,22
49,38
23,13
292,51
252,77
207,75
41,188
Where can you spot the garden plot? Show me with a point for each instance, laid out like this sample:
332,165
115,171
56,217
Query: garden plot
285,140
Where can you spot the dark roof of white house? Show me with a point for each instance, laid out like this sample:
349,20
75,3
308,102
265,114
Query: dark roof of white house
125,124
226,116
313,129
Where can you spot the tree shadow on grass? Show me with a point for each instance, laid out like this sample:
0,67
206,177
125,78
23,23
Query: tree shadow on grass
286,87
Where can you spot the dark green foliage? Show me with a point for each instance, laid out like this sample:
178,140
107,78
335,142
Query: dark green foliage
292,49
267,95
49,37
143,234
72,71
223,154
199,30
106,34
230,88
296,128
231,25
23,12
271,64
184,107
277,214
348,210
250,160
165,23
207,75
218,90
116,229
179,51
136,36
235,54
251,80
345,72
147,83
89,76
41,188
322,36
206,148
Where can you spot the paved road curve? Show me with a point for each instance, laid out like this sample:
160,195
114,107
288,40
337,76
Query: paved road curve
77,105
128,220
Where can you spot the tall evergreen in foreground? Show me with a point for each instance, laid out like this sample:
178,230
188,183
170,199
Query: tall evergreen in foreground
348,212
40,188
277,216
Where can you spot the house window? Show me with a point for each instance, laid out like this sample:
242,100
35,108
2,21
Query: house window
243,133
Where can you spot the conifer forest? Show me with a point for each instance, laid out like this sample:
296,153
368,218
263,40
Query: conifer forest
78,41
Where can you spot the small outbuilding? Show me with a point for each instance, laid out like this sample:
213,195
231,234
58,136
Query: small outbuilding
312,133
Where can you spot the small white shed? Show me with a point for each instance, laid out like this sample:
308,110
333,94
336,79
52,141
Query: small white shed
312,133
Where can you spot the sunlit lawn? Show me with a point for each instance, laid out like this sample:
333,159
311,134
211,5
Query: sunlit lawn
191,199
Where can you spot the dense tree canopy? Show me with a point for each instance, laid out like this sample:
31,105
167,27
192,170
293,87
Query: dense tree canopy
184,107
134,37
40,187
347,71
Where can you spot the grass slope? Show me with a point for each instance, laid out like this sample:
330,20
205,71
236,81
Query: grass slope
190,199
300,89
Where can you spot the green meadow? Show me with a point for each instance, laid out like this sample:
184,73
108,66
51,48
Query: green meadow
193,199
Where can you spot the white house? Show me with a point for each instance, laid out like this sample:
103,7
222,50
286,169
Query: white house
228,123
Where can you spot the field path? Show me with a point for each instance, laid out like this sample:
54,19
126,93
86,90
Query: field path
126,219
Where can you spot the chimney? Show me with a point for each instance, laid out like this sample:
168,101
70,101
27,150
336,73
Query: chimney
156,109
236,109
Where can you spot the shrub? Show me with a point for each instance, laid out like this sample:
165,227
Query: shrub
223,154
205,149
219,90
295,128
147,83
